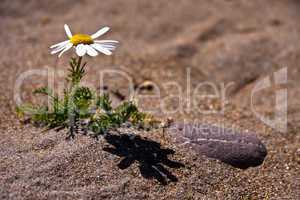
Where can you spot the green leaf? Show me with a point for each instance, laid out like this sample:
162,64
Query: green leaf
43,90
103,102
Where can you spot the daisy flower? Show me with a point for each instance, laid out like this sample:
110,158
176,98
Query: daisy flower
85,44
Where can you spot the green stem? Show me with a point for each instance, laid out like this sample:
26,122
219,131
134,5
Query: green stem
76,73
79,63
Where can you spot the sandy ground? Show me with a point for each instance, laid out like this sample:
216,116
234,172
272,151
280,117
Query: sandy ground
161,41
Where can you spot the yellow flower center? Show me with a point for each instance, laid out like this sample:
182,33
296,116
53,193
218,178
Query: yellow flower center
81,39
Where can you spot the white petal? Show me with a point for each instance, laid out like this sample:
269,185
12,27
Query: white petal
109,46
58,49
106,41
68,46
98,47
100,32
59,44
81,50
68,31
90,51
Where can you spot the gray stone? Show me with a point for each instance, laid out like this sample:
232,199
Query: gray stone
241,150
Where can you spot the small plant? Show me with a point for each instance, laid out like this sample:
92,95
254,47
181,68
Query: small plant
79,109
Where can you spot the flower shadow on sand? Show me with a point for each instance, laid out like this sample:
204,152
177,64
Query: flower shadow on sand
151,158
